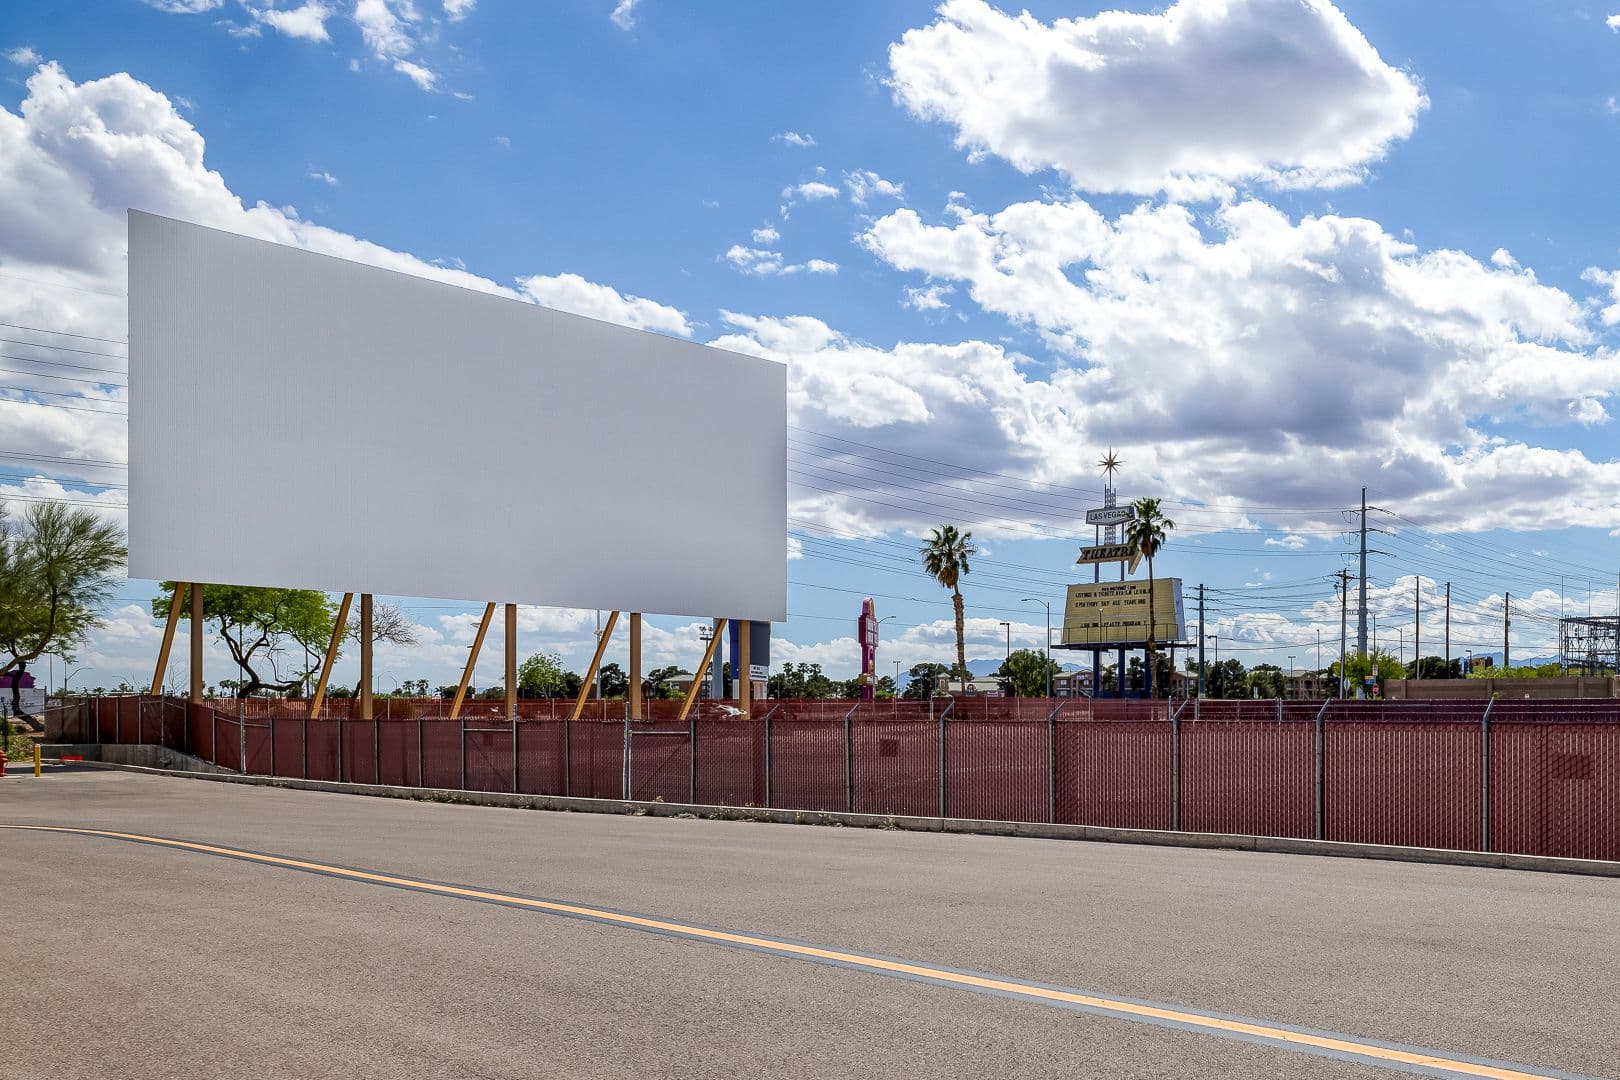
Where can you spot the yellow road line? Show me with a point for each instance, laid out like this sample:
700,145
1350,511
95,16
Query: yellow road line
1334,1045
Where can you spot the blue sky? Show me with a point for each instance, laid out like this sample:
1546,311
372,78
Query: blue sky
1272,251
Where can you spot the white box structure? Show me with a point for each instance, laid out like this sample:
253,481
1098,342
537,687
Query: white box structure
299,420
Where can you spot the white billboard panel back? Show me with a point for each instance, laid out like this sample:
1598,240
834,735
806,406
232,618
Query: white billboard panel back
298,420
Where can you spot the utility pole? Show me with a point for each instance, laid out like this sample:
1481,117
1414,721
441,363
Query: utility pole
1200,642
1417,626
1361,611
1507,623
1448,629
1344,619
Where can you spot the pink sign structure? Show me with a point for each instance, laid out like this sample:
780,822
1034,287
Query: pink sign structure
867,635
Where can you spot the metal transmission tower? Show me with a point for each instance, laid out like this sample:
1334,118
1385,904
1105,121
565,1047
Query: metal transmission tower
1589,645
1343,589
1361,611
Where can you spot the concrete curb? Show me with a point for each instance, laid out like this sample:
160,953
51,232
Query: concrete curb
1274,845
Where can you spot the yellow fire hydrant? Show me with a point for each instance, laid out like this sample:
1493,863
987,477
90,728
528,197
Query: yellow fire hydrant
37,770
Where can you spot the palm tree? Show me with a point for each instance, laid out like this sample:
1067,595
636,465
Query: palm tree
1145,533
945,557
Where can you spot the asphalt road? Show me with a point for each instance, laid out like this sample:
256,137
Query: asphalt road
132,960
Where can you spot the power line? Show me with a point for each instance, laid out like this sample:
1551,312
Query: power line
54,405
64,364
54,480
96,462
65,333
63,378
65,285
60,348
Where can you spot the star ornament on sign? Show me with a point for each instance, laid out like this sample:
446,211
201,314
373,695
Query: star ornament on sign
1110,464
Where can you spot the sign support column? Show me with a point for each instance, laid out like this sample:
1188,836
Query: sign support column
635,665
365,656
745,668
196,643
511,662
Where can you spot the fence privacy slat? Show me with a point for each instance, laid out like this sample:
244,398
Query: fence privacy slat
1527,777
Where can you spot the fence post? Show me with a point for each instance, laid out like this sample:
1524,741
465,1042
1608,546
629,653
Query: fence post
419,755
303,744
1175,769
272,744
1051,764
849,762
624,758
691,756
1317,775
942,806
514,752
568,755
768,714
1485,776
463,721
140,720
241,736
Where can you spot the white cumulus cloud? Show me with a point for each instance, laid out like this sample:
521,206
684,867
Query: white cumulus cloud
307,21
184,7
1251,355
810,191
762,262
864,184
1203,94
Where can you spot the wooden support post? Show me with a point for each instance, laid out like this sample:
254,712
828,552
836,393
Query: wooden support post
745,669
338,627
472,660
168,637
196,643
511,661
365,656
702,669
635,665
596,664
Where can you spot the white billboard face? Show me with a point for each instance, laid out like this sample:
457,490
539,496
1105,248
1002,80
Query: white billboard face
297,420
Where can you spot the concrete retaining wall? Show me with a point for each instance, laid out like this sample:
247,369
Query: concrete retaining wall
159,758
1035,830
1507,689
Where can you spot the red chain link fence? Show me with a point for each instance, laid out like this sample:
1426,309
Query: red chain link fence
1531,777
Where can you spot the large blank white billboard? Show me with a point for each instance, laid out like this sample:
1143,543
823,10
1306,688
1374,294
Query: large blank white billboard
298,420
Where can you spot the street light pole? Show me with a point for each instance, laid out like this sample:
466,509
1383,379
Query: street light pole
1047,604
875,644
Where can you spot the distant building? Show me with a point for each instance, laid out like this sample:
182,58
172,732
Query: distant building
978,685
1071,683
